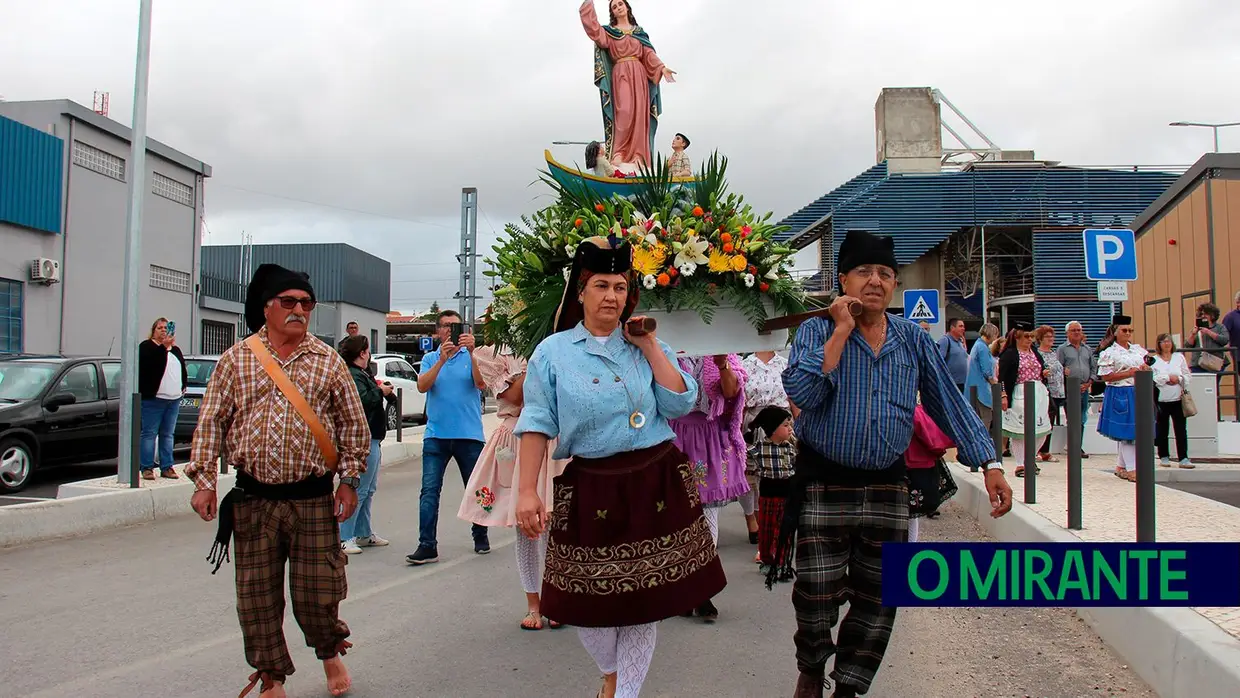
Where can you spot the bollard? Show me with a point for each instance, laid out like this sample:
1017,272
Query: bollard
972,397
1144,397
400,415
996,420
1031,444
135,435
1072,423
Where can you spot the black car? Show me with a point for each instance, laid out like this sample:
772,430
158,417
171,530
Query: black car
56,410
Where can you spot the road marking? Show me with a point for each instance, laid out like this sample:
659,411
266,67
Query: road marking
25,499
83,684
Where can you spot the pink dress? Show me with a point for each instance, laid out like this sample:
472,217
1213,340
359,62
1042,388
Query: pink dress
711,435
634,67
491,495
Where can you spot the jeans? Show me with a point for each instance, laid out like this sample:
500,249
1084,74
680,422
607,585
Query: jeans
1173,411
435,456
358,525
159,417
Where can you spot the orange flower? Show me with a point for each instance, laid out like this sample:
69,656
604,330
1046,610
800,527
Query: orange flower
725,238
697,211
672,271
598,207
663,279
578,223
739,263
727,247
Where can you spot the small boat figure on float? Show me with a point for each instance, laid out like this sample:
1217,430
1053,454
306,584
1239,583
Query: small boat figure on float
606,187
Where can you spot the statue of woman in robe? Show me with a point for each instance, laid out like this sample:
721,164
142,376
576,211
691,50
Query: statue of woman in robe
627,72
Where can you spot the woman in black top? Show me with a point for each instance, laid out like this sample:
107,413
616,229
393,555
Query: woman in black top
355,532
161,382
1019,363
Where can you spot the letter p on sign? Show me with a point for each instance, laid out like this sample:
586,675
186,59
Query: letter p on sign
1110,255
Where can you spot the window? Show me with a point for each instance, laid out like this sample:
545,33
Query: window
10,316
199,371
112,378
81,381
97,160
217,337
169,188
374,341
169,279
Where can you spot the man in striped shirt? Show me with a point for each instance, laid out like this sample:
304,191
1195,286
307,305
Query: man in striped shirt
856,376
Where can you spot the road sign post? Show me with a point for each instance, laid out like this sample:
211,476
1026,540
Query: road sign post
922,305
1110,254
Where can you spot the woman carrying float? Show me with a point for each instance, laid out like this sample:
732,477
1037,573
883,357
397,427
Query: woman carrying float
629,545
491,495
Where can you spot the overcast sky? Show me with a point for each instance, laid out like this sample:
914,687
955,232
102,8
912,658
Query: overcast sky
361,121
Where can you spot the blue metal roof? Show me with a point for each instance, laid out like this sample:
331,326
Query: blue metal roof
31,176
1061,290
922,210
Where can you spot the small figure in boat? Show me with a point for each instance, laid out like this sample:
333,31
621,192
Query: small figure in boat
678,163
597,163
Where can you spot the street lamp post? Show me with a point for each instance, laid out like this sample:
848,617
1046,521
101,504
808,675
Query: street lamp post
1213,127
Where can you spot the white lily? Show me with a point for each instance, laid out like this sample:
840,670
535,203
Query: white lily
692,252
773,273
648,225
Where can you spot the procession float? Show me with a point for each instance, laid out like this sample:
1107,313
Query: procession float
711,271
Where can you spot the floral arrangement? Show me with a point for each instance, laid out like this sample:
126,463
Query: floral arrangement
693,248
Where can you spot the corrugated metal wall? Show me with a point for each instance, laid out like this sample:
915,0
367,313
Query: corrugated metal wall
31,177
1061,291
340,273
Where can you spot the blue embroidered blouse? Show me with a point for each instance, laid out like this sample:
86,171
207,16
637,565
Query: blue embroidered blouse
582,391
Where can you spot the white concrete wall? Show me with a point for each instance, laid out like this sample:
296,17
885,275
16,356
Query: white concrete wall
92,250
367,321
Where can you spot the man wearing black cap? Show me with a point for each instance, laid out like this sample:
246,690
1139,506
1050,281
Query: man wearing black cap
856,375
286,408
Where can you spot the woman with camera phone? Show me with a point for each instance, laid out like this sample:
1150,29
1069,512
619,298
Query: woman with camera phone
1119,359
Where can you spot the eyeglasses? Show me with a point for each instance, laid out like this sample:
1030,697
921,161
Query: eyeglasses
867,271
447,325
290,302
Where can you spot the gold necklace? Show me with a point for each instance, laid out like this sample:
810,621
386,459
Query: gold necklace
637,419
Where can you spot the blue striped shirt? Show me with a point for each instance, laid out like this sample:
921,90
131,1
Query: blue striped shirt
860,415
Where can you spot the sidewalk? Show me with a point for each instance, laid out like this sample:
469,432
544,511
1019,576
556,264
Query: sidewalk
1178,651
103,503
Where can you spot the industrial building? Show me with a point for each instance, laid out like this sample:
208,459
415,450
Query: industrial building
996,232
350,285
64,176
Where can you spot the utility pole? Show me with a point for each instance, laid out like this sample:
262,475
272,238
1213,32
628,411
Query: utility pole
133,249
468,256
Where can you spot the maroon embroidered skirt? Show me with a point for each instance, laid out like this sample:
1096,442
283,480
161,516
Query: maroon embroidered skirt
628,543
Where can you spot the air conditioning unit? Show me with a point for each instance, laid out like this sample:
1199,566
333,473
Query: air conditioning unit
45,271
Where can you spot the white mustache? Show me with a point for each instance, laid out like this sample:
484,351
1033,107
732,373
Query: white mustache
294,317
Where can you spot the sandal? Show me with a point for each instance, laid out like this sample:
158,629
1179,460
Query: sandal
536,623
1019,472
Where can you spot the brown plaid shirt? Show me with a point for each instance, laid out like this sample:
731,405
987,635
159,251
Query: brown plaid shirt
244,410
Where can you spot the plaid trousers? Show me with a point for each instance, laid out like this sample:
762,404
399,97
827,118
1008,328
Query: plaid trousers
839,558
305,535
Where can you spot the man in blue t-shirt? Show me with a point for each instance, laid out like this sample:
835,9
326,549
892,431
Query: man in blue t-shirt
955,352
453,386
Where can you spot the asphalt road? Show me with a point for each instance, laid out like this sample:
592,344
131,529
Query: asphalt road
136,611
1225,492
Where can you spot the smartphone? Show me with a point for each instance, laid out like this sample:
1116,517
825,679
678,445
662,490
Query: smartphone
642,326
1201,323
172,328
457,331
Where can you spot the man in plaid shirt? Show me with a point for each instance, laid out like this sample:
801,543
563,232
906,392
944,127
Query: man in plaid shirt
282,511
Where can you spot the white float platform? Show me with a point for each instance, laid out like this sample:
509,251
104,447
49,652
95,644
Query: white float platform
729,332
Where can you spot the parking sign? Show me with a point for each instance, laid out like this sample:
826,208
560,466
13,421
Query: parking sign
1110,254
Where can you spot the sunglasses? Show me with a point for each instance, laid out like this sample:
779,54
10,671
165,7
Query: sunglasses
290,302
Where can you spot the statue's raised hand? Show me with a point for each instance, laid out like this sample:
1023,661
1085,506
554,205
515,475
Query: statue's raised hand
669,74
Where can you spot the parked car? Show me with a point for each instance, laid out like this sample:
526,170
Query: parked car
395,370
56,410
199,370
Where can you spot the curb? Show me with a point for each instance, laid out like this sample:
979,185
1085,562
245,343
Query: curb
1198,474
85,509
1177,651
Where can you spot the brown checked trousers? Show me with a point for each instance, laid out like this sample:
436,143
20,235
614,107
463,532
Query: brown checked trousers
305,535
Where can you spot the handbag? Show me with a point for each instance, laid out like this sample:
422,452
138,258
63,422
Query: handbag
294,397
1210,362
1188,404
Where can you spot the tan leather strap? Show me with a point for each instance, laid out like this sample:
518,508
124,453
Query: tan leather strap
282,381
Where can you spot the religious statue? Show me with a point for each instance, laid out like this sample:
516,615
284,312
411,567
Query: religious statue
628,72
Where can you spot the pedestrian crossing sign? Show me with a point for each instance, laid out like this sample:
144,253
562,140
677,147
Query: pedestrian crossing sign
922,305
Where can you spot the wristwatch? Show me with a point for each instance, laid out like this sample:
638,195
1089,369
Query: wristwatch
354,482
992,465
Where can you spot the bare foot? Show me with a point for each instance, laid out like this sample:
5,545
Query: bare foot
338,680
609,686
276,691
